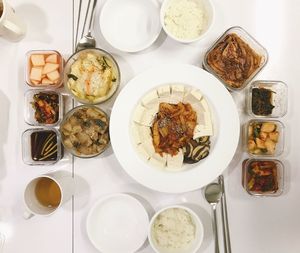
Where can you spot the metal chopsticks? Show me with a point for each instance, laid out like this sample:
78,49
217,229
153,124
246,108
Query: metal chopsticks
226,235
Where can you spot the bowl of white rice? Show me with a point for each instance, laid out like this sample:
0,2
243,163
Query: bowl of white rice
175,229
187,21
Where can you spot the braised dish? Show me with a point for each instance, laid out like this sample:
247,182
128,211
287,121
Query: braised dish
263,177
84,131
171,126
264,138
235,58
91,76
46,106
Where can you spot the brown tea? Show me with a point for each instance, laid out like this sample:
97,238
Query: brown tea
48,192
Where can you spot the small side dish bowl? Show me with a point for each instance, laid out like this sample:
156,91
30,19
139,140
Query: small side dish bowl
264,138
267,99
263,177
130,25
164,222
44,69
84,131
91,76
43,107
117,223
237,48
41,146
187,21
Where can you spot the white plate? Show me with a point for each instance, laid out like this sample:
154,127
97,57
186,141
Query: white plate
225,122
117,223
130,25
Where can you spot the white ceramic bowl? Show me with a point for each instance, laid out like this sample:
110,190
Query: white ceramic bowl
209,11
130,25
117,223
194,246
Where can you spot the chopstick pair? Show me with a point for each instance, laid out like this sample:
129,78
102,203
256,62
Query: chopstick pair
226,234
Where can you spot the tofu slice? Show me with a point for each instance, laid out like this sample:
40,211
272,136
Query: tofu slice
144,133
174,163
150,100
37,60
202,130
138,113
52,58
158,161
53,76
177,93
135,133
164,93
148,147
50,67
194,96
142,153
36,74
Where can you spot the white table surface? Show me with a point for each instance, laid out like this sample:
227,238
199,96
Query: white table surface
257,225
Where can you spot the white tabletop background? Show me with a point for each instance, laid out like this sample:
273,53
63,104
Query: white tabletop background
257,225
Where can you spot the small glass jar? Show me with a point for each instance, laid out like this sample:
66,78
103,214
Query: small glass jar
45,79
263,177
264,138
251,42
267,99
41,146
30,111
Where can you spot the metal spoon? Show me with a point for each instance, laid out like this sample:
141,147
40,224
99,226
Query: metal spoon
88,41
213,194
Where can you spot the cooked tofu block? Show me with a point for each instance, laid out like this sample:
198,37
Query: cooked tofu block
135,133
37,60
158,161
142,153
138,113
268,127
148,147
36,74
194,96
175,162
151,101
164,93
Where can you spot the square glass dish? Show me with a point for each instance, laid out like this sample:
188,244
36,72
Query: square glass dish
43,107
235,58
263,177
44,69
41,146
264,138
267,99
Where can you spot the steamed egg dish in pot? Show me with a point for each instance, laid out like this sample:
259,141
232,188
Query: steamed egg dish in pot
93,77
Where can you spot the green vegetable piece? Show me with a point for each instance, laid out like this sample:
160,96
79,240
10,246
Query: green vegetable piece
73,77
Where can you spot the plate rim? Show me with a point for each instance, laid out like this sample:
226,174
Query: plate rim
198,73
